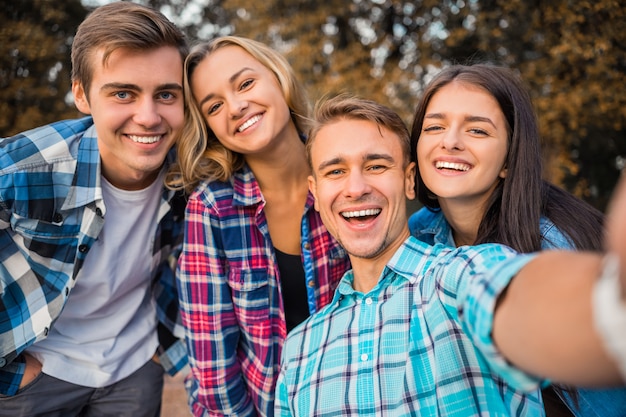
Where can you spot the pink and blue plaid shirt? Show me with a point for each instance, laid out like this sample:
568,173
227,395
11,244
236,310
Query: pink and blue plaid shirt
230,294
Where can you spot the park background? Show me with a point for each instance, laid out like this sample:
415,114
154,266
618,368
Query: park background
571,54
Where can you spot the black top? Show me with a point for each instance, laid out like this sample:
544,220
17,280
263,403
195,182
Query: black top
293,285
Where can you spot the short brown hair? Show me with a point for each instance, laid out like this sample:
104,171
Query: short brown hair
121,25
349,107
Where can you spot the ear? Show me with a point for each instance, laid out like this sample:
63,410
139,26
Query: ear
313,190
409,181
502,173
80,97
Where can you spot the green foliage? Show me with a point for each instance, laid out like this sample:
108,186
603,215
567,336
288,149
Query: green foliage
571,54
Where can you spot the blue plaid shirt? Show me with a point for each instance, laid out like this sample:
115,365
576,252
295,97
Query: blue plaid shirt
419,343
51,212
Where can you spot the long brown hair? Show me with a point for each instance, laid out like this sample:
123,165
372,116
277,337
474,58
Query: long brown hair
515,207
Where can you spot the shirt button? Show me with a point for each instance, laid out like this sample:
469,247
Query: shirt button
2,362
57,218
307,246
98,212
363,357
368,301
83,248
311,283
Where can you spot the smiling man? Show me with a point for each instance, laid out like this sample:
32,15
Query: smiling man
426,330
88,230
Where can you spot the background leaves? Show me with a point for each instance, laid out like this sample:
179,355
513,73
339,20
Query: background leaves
571,54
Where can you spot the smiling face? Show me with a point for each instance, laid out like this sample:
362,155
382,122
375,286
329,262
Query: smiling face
241,101
361,185
463,145
136,102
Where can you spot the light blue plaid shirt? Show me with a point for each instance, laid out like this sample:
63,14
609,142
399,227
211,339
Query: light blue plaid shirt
419,343
432,227
51,213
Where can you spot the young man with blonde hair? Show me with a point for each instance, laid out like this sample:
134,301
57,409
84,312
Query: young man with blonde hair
89,234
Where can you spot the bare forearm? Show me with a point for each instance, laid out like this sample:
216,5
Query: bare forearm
544,322
616,230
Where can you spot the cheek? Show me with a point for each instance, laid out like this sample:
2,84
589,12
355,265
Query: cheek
176,116
423,150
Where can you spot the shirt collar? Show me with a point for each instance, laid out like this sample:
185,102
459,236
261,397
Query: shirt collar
409,259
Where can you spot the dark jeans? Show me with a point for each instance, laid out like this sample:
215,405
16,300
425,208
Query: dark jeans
138,395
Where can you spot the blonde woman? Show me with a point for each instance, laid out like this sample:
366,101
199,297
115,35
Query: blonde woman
256,259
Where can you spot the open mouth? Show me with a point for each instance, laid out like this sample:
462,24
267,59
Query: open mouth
454,166
360,216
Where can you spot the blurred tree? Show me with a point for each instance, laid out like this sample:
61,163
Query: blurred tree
572,55
35,39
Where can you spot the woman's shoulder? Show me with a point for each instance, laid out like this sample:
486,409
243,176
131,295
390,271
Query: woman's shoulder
429,226
552,237
424,218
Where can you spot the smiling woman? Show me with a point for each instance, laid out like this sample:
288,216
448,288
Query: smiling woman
257,259
476,139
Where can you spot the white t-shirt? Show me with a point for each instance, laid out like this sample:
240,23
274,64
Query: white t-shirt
107,329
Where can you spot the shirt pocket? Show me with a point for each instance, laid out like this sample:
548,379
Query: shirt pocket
250,295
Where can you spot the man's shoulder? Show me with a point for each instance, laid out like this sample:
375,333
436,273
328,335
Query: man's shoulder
50,143
59,130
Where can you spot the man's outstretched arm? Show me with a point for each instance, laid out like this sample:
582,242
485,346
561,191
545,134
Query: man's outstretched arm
546,322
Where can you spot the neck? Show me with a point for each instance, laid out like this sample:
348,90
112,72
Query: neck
464,220
367,271
284,169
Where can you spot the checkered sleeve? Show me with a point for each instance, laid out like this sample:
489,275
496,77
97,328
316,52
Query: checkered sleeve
493,267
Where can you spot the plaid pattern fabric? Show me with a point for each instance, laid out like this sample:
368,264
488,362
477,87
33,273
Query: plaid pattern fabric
431,227
419,343
231,298
51,212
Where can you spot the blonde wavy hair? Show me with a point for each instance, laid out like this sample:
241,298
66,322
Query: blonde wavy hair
201,156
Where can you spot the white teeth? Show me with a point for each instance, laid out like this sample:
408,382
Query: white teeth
249,123
360,213
452,165
144,139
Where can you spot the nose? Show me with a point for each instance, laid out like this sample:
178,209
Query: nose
238,107
451,140
356,185
147,113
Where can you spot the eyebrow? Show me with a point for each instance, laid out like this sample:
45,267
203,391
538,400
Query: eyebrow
368,157
231,80
467,118
125,86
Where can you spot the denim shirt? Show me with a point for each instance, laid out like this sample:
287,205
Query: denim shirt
431,227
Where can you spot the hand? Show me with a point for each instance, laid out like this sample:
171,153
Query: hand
33,369
616,229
